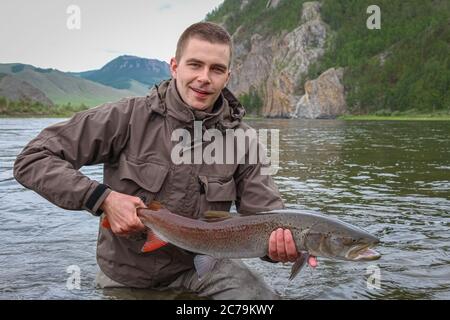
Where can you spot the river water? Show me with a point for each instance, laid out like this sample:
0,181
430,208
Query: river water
390,178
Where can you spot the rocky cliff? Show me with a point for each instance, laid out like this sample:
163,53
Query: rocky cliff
324,97
274,66
281,44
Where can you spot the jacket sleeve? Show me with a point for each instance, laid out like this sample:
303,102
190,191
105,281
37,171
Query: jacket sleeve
49,164
256,192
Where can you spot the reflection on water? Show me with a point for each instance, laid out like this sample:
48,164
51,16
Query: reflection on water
391,178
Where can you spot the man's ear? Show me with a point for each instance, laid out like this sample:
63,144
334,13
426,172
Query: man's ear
173,67
228,78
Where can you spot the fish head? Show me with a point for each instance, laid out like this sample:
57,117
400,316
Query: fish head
361,248
343,242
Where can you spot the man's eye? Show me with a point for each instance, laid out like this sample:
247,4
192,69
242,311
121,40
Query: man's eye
194,65
218,70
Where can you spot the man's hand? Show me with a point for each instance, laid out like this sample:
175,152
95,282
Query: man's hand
120,209
282,247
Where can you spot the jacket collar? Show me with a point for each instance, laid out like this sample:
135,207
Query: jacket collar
227,113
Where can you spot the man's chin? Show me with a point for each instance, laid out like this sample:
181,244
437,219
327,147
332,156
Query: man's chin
199,107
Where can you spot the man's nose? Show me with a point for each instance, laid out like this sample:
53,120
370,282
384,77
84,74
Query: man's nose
204,75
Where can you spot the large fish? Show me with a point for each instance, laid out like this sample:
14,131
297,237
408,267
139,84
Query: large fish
233,237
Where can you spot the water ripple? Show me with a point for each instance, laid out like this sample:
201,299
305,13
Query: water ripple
392,179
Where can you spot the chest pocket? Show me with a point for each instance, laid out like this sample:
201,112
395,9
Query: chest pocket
147,178
218,193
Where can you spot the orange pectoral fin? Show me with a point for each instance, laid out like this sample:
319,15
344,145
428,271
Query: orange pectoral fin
153,242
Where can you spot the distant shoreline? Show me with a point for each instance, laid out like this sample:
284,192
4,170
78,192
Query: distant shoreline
24,116
28,109
344,118
418,117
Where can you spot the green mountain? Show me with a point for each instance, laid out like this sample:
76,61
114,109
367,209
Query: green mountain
62,88
404,66
15,89
129,72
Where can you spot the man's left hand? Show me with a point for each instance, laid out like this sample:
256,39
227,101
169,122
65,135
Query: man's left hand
282,247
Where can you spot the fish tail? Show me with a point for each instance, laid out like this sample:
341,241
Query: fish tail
154,205
153,242
105,223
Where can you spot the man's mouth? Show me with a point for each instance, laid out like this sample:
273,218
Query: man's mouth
200,93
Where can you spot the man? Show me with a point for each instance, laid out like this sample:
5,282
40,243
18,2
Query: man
132,138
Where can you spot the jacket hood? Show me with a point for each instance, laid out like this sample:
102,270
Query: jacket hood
227,114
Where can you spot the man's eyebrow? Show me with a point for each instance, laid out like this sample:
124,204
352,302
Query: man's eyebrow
222,66
201,62
194,60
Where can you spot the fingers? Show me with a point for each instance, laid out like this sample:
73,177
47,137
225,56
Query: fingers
126,220
138,225
273,246
312,261
282,246
128,229
281,249
291,250
140,203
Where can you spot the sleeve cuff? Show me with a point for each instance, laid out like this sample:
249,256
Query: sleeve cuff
96,199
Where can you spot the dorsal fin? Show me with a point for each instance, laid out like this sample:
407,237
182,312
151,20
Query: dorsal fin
154,205
214,216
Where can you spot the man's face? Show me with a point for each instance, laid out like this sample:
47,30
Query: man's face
201,73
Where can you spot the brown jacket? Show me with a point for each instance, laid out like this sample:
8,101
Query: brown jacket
132,138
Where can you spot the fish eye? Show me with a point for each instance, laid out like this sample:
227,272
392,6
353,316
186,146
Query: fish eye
349,241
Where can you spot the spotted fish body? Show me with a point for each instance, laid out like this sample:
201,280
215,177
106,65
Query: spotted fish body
248,236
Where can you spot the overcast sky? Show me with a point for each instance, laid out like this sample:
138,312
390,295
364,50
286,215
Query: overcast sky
36,31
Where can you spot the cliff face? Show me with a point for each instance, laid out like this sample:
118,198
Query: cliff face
293,56
324,97
274,66
402,68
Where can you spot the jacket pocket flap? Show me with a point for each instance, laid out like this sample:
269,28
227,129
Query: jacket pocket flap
149,176
218,189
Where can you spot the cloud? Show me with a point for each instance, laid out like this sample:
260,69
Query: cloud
112,51
165,7
37,33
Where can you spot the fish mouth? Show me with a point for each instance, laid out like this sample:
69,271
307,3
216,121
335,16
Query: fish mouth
362,252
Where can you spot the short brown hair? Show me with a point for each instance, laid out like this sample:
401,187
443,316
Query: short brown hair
207,31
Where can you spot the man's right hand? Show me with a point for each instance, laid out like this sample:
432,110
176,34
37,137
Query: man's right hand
120,209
